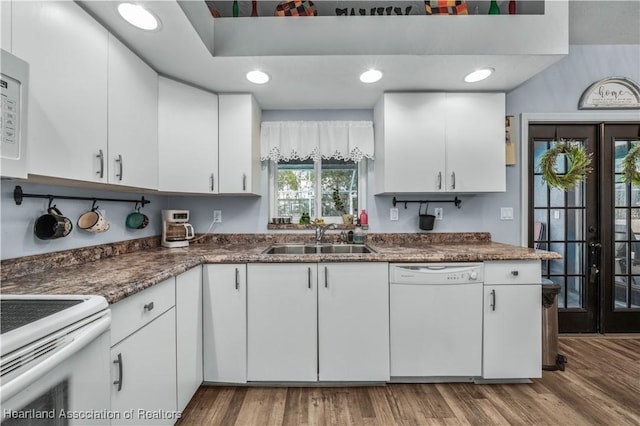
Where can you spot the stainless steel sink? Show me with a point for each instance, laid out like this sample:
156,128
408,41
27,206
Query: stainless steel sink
318,249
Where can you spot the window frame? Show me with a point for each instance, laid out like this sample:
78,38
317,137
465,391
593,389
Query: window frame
317,166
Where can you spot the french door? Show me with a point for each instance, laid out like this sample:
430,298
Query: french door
594,226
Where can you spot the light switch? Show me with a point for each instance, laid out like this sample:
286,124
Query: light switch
393,213
506,213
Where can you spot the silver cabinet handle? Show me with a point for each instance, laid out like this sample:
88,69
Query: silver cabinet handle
453,180
439,180
309,276
326,278
244,181
101,157
119,381
237,278
212,180
119,160
493,300
148,306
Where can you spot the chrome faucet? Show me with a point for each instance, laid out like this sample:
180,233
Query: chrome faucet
320,230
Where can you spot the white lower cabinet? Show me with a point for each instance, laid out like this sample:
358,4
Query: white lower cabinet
282,336
512,327
299,312
225,323
144,373
188,334
353,322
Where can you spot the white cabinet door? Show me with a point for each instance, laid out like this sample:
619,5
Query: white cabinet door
411,146
187,138
225,323
188,334
353,321
239,143
146,372
282,322
475,142
512,331
133,119
5,27
67,121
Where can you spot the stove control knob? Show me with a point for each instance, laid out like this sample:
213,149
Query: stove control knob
473,275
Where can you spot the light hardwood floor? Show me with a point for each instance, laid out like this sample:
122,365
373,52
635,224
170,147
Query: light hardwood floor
600,386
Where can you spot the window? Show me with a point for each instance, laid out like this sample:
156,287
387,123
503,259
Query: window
297,183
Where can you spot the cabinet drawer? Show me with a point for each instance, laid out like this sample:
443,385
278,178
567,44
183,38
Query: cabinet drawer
512,272
135,311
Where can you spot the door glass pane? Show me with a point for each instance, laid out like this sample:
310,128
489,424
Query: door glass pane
575,195
621,264
556,197
575,225
574,292
539,148
574,258
620,192
620,292
557,225
539,192
561,282
557,265
621,149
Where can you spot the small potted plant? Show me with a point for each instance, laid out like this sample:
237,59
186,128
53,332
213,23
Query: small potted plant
347,219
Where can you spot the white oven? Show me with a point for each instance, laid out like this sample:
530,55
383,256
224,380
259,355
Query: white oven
55,360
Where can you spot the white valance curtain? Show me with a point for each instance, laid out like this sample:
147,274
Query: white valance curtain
302,140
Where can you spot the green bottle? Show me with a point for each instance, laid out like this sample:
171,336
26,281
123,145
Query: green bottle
494,9
235,8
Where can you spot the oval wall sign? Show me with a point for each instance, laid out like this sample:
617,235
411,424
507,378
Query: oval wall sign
611,93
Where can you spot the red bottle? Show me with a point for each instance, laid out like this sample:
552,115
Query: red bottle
364,219
512,7
254,8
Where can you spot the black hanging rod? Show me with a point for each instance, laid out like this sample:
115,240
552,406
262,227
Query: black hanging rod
18,195
455,201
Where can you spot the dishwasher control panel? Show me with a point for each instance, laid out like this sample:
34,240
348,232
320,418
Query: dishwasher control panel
436,273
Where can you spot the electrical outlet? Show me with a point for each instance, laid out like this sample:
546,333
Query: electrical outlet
438,211
217,216
393,213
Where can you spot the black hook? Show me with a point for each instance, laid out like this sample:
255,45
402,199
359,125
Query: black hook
93,206
50,201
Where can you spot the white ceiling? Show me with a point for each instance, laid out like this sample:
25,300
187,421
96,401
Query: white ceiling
331,81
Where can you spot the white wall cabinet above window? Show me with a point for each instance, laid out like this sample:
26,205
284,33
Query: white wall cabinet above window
239,144
187,139
440,142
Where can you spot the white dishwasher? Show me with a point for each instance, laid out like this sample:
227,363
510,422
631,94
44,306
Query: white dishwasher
436,321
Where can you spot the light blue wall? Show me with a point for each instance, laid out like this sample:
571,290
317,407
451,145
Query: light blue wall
17,238
556,90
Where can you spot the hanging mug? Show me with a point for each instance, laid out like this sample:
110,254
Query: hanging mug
93,221
52,225
137,220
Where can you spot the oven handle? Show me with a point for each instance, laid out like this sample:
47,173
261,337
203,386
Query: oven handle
79,342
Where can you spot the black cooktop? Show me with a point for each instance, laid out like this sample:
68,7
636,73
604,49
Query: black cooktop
15,313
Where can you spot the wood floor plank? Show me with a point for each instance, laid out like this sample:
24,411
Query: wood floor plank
600,386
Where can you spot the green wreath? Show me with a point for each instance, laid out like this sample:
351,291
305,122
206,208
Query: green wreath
579,165
630,171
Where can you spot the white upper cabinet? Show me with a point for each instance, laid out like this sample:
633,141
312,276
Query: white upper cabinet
187,138
239,144
67,121
440,142
133,119
475,138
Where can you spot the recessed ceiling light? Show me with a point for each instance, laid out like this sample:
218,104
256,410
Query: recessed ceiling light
138,16
478,75
371,76
258,77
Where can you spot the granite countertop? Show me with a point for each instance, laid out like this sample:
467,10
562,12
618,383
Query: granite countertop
117,276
